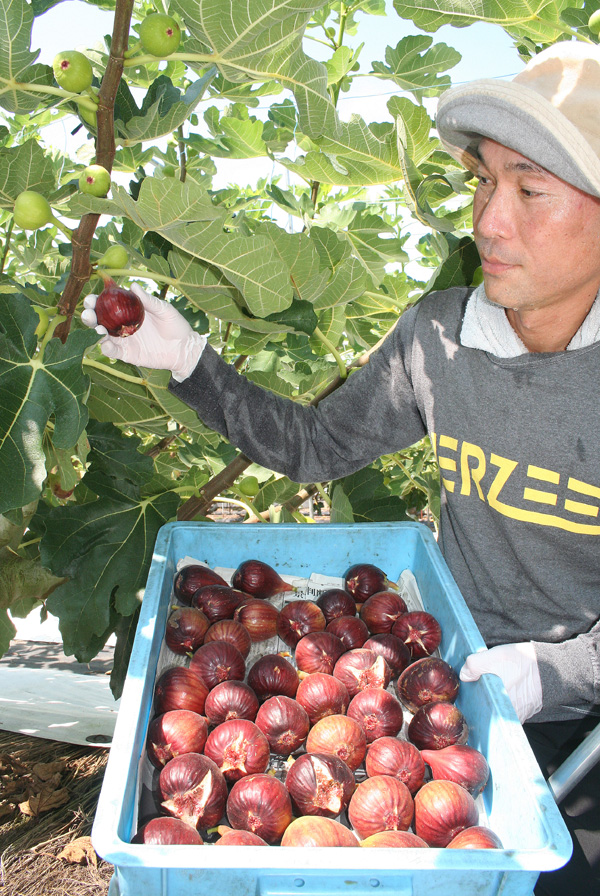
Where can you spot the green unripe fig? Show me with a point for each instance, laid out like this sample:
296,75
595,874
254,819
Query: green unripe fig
160,34
94,180
32,210
89,117
114,257
168,170
249,486
73,71
594,22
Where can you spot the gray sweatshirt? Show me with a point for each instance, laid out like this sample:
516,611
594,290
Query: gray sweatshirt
518,446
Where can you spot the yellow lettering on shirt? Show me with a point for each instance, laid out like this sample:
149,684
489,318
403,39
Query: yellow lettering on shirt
467,471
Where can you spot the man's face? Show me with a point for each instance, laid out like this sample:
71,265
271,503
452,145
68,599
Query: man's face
538,237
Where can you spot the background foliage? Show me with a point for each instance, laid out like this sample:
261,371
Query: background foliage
295,282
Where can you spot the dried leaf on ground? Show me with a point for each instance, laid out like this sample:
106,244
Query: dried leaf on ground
45,801
47,771
79,852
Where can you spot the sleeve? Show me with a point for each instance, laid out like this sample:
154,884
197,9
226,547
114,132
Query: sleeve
570,675
373,413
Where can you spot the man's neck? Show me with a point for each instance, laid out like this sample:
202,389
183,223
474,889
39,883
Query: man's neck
545,330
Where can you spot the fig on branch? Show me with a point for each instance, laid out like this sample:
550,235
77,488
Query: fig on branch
90,118
118,309
594,22
94,180
249,486
114,257
160,34
73,71
32,210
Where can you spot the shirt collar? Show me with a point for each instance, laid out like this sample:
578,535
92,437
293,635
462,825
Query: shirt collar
486,327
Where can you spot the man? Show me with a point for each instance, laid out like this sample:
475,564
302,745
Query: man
503,378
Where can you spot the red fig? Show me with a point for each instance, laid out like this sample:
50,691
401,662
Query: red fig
118,309
459,763
364,579
258,579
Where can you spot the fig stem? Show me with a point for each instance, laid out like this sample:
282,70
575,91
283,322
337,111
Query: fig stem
331,348
64,95
134,273
50,333
145,58
62,227
132,50
116,374
248,507
323,493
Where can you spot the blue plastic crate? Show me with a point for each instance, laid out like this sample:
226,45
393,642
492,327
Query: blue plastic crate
516,803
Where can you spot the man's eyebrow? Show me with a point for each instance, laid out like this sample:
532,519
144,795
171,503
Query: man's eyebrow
526,166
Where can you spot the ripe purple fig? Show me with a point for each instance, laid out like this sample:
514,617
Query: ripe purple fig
118,309
258,579
364,579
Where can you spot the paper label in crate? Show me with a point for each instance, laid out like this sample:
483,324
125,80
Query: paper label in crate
409,590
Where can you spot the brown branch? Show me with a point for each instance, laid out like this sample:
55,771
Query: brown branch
81,269
163,444
199,504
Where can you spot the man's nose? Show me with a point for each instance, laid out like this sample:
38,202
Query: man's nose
494,214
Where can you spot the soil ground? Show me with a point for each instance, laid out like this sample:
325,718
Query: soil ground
48,796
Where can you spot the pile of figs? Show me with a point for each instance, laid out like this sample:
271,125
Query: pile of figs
298,722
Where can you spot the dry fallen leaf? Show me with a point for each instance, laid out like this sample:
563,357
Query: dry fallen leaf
44,801
47,770
79,852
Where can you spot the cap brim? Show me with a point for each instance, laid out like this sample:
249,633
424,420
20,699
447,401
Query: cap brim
521,119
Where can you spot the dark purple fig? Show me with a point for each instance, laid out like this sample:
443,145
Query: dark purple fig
190,578
259,579
364,579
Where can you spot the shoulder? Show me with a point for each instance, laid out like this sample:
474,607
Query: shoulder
440,311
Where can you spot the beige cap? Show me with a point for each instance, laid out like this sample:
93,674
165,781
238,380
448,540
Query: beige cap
550,113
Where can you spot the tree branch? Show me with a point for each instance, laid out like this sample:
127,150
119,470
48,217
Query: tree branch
81,269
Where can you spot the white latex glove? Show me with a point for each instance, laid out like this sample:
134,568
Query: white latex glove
165,340
516,665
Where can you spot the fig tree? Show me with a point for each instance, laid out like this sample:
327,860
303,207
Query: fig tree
94,180
160,34
32,210
73,71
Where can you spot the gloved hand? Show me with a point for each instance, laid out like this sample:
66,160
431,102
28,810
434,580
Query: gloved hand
516,665
165,340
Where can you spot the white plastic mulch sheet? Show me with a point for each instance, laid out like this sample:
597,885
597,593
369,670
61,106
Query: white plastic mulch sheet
43,693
